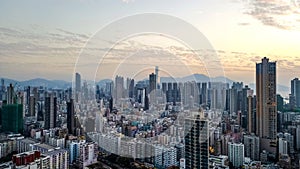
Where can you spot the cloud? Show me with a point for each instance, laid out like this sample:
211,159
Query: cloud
282,14
127,1
243,24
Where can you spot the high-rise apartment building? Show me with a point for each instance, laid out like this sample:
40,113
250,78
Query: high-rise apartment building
266,108
196,142
118,89
50,111
252,145
12,118
251,113
295,91
236,154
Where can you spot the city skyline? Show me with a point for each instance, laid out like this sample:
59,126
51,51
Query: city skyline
139,84
178,124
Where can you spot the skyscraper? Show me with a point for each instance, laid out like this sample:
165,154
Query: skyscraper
152,80
251,124
10,94
12,113
77,82
70,117
32,106
196,142
12,118
131,88
266,108
295,91
119,89
50,111
204,93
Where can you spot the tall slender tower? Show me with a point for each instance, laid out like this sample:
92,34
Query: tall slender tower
266,108
156,73
71,117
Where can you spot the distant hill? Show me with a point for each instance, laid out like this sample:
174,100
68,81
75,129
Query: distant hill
197,78
39,82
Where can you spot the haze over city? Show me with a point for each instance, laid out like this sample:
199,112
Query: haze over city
140,84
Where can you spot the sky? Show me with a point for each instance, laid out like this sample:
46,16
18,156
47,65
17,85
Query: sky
53,38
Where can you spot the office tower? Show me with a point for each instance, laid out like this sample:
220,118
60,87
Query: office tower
10,94
266,108
152,80
252,145
12,118
196,142
236,154
50,111
152,89
71,117
77,82
295,91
